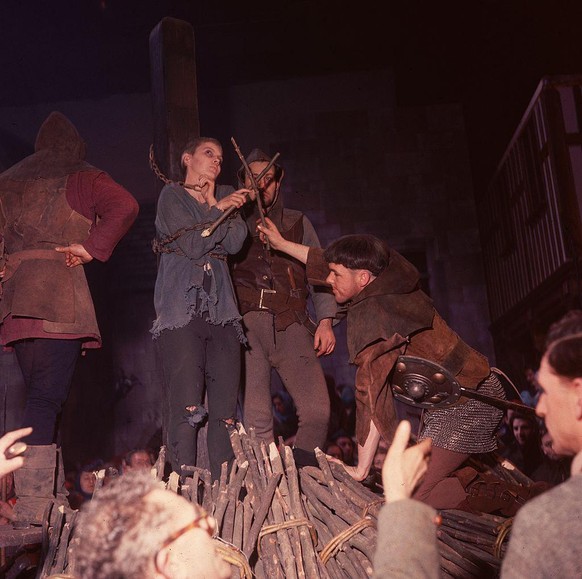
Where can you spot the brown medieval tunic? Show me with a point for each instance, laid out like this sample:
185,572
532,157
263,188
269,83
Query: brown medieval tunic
390,317
54,198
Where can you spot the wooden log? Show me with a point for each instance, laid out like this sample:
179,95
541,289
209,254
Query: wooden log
235,442
332,567
487,563
454,570
256,446
487,558
315,473
466,536
352,497
53,542
469,526
227,528
365,563
260,570
257,485
247,522
173,482
207,502
61,554
458,559
290,565
69,563
195,488
282,498
186,489
520,477
233,491
174,92
349,517
272,554
237,533
221,499
10,537
277,499
372,500
214,492
323,572
332,527
202,495
307,547
337,524
329,478
481,518
283,488
277,517
260,515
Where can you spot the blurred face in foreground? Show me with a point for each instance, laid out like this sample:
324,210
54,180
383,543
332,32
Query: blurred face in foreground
559,405
191,554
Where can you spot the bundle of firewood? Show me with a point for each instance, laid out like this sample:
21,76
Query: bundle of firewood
275,520
472,545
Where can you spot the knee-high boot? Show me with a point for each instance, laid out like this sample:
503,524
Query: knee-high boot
34,484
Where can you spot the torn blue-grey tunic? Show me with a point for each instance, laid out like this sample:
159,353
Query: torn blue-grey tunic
193,278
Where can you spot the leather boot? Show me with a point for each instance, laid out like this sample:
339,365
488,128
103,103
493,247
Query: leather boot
34,484
61,491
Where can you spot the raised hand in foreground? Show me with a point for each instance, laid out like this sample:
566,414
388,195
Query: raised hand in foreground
404,467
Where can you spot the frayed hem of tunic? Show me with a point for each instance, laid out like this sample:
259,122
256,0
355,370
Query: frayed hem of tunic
157,331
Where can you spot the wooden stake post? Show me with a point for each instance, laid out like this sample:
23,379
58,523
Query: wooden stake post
174,92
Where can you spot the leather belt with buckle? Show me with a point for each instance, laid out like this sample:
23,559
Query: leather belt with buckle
262,297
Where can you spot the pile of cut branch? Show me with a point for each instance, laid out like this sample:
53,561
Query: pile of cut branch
275,520
279,521
472,545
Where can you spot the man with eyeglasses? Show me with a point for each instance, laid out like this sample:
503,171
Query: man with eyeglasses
272,292
136,528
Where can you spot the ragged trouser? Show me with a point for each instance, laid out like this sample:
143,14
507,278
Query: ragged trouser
197,355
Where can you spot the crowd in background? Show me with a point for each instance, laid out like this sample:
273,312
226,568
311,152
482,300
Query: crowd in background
82,481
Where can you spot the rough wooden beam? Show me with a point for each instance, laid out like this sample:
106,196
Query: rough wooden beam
174,92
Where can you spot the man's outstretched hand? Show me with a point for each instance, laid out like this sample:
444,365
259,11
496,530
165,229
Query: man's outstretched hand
269,232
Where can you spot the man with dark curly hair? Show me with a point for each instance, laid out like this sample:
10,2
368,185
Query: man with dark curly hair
134,528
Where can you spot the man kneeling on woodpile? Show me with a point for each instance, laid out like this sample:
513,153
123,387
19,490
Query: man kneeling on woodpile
388,316
135,528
